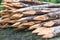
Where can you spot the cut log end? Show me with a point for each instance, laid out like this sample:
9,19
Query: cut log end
46,31
12,21
49,24
29,12
6,16
8,7
19,27
29,23
46,11
34,27
4,26
16,16
41,18
4,20
16,24
48,36
22,20
37,30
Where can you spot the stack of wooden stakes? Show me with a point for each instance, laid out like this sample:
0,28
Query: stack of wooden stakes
42,18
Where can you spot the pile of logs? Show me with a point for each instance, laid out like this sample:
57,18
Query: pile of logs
42,18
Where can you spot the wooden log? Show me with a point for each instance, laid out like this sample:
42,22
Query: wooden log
4,26
51,23
34,27
24,1
54,6
36,22
28,24
5,20
41,17
46,31
54,33
24,25
26,19
8,7
8,4
20,4
48,35
6,12
37,30
16,16
20,25
33,12
32,2
38,7
37,18
12,21
16,24
11,1
28,13
49,16
17,5
5,16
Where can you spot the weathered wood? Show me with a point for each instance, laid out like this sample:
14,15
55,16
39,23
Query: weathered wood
34,27
32,3
54,6
33,12
49,16
17,5
25,19
24,1
5,16
16,16
8,7
38,7
4,26
46,31
38,18
12,21
16,24
11,1
4,20
37,30
20,25
23,25
51,23
55,32
48,35
5,12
